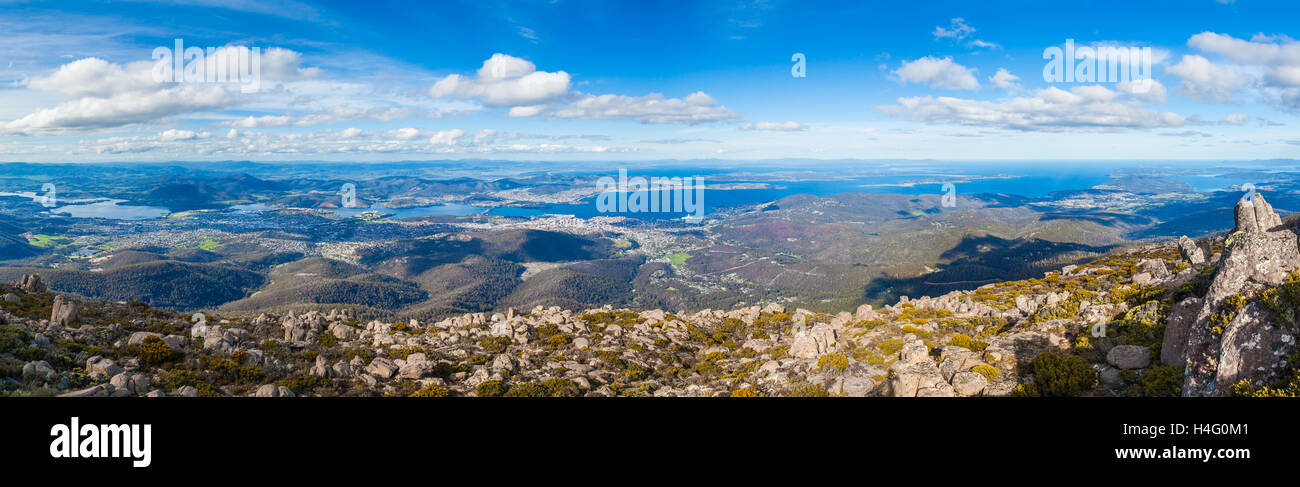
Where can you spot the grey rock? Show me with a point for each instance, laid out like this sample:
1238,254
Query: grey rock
913,352
64,311
1190,251
382,367
1129,356
139,336
39,368
101,367
969,383
1181,318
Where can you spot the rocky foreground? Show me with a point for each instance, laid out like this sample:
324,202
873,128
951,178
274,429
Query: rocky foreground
1210,317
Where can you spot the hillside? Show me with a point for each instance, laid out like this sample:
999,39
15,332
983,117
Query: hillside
1211,317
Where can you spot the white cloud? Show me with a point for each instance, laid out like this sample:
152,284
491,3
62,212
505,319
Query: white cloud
937,73
277,63
352,141
1234,119
94,77
505,81
1005,80
957,29
407,133
446,137
1052,109
333,115
525,111
107,95
1271,64
693,109
1202,80
176,134
775,126
121,109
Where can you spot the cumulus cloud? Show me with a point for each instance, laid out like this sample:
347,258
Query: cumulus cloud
692,109
1202,80
95,77
105,95
937,73
446,137
1270,64
176,134
775,126
1005,80
1052,109
505,81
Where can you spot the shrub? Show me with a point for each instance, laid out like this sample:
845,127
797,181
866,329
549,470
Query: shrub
221,365
1025,390
402,353
490,388
1057,375
745,392
494,344
528,389
965,341
432,391
154,351
989,372
1287,386
833,363
559,340
917,331
891,346
1162,381
327,340
561,387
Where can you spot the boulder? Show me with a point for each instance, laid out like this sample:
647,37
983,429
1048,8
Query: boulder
39,368
1190,251
1155,267
64,311
909,379
101,367
382,368
1129,356
969,383
139,336
913,352
31,283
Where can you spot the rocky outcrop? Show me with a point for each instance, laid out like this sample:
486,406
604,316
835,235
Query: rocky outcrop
1181,318
64,311
1190,251
31,284
1259,254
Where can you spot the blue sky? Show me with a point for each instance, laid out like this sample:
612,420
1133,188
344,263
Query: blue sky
587,80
